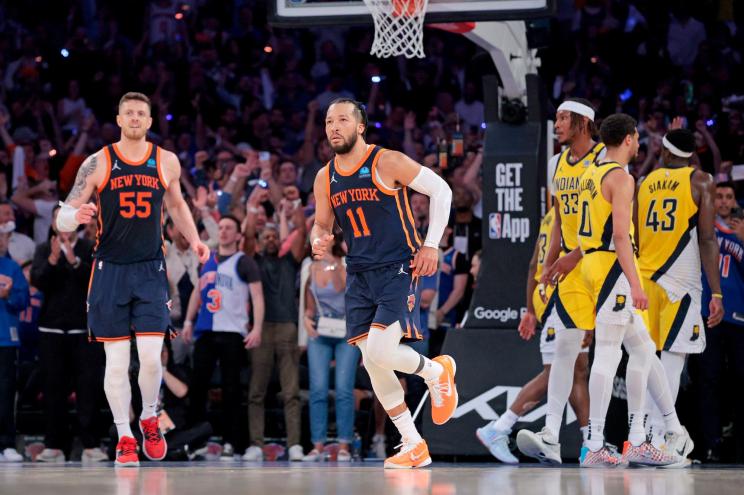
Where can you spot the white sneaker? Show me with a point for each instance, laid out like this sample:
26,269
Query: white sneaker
52,456
541,446
343,456
497,443
679,445
378,449
92,456
296,453
253,454
10,455
313,456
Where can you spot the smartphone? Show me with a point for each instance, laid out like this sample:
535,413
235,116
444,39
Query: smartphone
264,156
737,212
262,184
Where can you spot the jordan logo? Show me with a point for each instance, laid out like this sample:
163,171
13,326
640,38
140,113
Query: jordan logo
695,333
116,165
161,269
401,271
333,178
619,303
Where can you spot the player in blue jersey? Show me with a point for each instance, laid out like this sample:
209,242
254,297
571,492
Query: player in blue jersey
134,181
725,342
365,189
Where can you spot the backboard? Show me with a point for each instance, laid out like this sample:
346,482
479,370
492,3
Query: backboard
298,13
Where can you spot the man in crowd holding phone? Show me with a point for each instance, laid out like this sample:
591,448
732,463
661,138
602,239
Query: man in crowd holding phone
724,349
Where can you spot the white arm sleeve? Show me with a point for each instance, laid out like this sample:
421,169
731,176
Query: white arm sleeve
552,166
440,199
66,221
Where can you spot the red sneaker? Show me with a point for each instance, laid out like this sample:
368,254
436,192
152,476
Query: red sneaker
126,452
154,445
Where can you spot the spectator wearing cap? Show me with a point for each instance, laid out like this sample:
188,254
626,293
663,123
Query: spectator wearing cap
279,338
13,299
61,271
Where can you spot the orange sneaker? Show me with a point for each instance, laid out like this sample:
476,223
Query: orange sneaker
126,453
411,455
443,391
153,442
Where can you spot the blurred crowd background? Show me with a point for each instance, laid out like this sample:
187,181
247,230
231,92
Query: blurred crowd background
242,104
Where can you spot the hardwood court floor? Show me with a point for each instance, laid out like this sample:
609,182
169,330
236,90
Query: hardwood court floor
218,478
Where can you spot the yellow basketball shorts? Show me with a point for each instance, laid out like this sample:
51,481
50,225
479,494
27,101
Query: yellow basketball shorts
674,326
572,305
610,288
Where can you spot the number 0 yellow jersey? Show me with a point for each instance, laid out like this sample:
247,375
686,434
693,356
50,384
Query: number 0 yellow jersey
667,229
566,182
595,226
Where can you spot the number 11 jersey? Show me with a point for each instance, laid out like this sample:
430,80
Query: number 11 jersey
130,208
376,221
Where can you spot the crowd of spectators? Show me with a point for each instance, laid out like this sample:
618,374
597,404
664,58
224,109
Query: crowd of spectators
242,104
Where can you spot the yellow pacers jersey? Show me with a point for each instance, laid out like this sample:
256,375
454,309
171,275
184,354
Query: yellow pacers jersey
595,226
566,182
543,243
667,229
543,240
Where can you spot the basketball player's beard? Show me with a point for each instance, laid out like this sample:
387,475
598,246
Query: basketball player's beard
346,147
134,134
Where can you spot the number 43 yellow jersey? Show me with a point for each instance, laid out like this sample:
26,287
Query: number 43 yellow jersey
667,229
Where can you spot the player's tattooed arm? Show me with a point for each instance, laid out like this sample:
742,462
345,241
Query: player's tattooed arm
84,182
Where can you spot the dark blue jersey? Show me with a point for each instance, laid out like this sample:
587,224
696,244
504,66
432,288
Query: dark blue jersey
376,221
130,206
731,265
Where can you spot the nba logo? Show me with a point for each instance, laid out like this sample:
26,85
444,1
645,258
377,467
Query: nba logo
411,301
494,225
550,335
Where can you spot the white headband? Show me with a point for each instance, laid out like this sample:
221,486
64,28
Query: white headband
579,108
674,150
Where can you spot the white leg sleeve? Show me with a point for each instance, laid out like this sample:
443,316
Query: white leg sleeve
658,388
641,353
385,350
670,368
116,384
560,382
607,354
674,364
150,373
385,384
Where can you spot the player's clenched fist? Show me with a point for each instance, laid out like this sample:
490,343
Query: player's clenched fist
425,262
86,213
321,245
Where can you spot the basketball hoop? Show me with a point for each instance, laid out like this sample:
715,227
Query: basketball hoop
399,27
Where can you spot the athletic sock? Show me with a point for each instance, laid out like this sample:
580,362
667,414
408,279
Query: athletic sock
429,370
407,429
595,441
506,421
637,433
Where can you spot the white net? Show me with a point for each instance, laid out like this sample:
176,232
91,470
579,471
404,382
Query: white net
399,27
